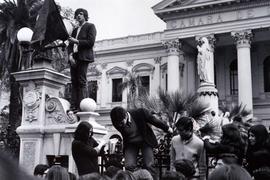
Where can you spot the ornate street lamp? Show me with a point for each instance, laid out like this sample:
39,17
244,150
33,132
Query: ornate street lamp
24,37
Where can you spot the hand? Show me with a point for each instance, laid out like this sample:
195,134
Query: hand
206,137
170,130
73,40
72,61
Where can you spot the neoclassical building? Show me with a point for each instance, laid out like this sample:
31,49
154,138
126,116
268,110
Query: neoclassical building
239,35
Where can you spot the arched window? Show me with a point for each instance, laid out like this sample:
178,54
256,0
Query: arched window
233,78
266,72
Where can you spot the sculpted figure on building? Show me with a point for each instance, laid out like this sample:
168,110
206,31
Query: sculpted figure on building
204,60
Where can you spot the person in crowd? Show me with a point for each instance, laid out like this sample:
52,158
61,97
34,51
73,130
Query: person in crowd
9,170
226,159
137,135
111,171
185,167
81,53
230,172
41,170
142,174
186,145
230,143
57,172
85,149
258,152
172,175
92,176
124,175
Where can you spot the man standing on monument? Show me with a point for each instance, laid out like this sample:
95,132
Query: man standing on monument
81,53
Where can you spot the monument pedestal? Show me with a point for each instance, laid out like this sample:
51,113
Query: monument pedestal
209,94
46,132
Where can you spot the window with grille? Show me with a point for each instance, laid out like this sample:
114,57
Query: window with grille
233,78
116,90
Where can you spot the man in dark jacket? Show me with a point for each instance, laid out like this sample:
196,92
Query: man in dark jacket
81,53
137,135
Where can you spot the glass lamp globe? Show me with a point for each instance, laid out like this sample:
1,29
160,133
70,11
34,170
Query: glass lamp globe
25,34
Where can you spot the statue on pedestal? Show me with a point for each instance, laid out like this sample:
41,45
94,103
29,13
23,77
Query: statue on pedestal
204,60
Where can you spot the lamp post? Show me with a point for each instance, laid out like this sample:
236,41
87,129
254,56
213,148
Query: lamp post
24,37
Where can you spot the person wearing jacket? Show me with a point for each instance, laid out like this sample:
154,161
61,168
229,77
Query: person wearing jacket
81,53
134,125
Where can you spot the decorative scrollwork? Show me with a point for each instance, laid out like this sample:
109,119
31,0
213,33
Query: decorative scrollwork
51,105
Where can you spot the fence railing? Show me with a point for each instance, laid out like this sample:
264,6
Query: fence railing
161,157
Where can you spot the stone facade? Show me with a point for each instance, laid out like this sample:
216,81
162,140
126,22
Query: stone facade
240,30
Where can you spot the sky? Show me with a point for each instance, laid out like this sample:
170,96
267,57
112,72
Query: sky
119,18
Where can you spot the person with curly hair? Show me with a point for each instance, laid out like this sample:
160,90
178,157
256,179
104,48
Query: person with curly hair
258,152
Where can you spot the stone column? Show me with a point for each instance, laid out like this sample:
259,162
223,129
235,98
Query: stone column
207,90
243,41
172,47
182,70
157,80
104,86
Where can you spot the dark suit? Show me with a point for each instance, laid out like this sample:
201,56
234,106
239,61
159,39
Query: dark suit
83,57
138,135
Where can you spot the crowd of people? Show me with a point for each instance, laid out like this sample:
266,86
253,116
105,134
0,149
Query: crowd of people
239,152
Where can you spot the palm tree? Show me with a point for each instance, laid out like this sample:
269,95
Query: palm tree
168,106
132,83
14,16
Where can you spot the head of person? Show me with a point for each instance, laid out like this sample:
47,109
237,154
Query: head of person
184,126
262,173
230,134
57,172
226,159
118,115
83,132
91,176
40,170
230,172
9,170
172,175
124,175
111,171
185,167
142,174
258,135
81,13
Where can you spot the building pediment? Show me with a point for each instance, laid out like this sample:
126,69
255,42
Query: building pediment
116,70
184,5
143,67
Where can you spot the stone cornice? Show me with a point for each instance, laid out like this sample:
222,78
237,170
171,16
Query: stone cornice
214,10
193,6
129,41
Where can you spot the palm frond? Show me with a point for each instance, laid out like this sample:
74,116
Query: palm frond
197,108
